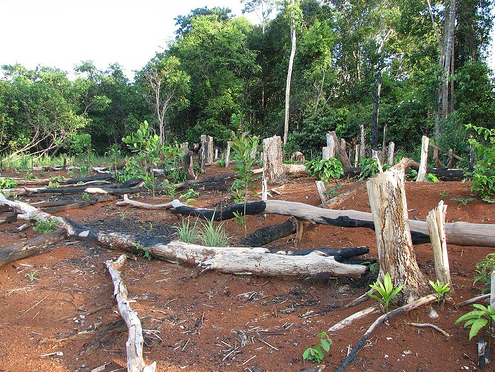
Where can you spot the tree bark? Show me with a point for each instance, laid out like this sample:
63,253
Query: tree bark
273,167
395,250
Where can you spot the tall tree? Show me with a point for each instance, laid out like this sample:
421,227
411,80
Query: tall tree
294,14
168,86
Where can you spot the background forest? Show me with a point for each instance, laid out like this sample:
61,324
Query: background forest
416,67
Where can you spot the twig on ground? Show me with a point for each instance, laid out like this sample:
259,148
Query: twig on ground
425,325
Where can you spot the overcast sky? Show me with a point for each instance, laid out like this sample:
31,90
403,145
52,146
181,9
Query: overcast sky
62,33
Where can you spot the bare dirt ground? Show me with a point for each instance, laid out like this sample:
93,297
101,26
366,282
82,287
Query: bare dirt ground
58,313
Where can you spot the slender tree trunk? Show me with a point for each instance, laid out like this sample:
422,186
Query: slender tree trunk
376,112
289,74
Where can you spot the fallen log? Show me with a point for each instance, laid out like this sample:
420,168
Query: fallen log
378,322
233,260
240,260
135,341
459,233
27,212
268,234
38,245
97,177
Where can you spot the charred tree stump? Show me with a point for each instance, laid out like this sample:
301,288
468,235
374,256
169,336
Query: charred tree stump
395,250
340,150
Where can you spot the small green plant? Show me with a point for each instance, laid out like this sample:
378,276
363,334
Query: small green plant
440,289
124,215
86,197
53,184
370,167
186,232
8,183
43,227
462,201
30,176
221,163
325,169
243,151
386,291
484,270
444,195
189,196
481,317
32,276
430,177
333,191
213,236
143,251
317,353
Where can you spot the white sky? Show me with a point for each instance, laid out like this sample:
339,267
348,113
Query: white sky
62,33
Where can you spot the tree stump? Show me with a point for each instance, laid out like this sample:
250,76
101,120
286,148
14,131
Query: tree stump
207,149
395,250
436,228
424,159
273,168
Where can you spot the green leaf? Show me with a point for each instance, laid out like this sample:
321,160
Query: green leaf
476,326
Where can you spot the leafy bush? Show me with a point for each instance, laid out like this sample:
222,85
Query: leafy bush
483,178
47,226
325,169
8,183
370,167
484,270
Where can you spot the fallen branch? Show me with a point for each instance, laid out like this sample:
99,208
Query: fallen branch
475,299
135,341
378,322
426,325
352,318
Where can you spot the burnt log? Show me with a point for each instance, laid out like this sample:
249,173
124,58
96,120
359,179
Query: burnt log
38,245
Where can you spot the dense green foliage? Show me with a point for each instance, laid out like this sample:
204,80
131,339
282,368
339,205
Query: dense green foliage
223,74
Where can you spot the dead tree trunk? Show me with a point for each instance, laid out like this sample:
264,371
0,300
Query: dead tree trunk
340,150
395,250
273,168
208,148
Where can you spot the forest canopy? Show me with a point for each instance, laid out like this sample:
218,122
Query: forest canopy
411,67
